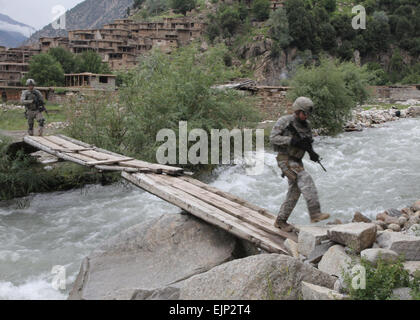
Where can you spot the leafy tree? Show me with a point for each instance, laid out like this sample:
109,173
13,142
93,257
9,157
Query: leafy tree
300,24
229,20
345,51
329,5
261,9
183,6
396,67
336,88
45,70
327,36
65,58
90,61
279,28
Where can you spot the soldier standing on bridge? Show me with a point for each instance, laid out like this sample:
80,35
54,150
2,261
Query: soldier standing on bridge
291,138
33,101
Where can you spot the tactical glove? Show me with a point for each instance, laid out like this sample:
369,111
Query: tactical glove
314,156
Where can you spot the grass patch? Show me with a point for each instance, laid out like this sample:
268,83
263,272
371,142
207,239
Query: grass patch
15,119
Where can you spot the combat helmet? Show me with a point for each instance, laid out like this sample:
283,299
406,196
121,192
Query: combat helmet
303,104
30,82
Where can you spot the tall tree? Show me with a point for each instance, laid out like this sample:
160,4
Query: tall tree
45,70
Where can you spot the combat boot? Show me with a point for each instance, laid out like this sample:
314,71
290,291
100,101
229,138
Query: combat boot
41,131
319,217
283,225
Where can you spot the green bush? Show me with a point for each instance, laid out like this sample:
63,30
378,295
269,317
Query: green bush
336,88
381,279
164,90
183,6
261,9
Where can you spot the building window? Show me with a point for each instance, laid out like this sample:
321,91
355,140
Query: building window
103,79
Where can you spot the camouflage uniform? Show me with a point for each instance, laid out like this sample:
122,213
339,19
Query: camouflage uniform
289,159
32,110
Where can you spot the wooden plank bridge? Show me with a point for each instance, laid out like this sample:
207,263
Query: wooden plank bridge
210,204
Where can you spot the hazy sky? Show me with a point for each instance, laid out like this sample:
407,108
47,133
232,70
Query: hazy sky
36,13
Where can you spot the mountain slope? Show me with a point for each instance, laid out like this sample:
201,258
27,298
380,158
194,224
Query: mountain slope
12,32
89,14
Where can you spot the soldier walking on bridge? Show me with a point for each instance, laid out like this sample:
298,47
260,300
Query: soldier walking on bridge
34,105
291,138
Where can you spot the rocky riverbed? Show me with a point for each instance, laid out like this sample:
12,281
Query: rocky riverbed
180,257
372,116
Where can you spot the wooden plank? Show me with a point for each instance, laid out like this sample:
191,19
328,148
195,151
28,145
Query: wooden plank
118,168
80,157
45,142
206,212
232,208
66,144
155,167
77,142
58,154
135,164
110,161
99,156
229,196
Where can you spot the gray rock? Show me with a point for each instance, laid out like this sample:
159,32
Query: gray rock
292,248
402,244
310,237
402,221
316,254
335,261
372,255
416,206
413,267
313,292
357,236
151,256
401,294
394,227
394,213
264,276
359,217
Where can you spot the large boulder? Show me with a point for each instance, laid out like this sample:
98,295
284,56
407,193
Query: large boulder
313,292
264,276
373,255
402,244
357,236
151,256
335,261
310,237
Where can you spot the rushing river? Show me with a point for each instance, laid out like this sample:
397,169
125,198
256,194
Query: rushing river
368,171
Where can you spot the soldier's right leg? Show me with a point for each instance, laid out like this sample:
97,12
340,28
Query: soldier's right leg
31,120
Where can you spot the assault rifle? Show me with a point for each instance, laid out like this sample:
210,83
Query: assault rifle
294,131
41,105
